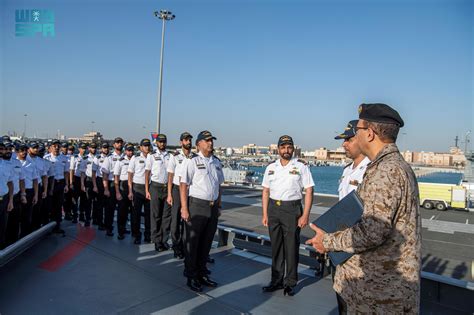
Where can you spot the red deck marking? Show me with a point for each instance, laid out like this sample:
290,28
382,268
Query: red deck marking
71,250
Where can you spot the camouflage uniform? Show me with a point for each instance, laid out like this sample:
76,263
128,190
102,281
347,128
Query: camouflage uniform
383,276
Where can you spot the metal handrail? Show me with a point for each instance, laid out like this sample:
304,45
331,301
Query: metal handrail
426,275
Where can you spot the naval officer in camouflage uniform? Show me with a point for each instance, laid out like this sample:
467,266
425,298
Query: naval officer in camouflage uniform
383,275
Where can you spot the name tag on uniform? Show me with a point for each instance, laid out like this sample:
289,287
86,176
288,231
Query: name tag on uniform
101,161
125,163
354,182
201,166
180,161
157,158
271,172
142,162
295,171
114,159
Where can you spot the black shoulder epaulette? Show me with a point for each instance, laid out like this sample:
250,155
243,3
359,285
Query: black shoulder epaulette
347,165
175,153
303,161
122,158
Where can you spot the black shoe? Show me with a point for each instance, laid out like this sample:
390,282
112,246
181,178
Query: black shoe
126,232
272,287
120,236
109,233
178,254
137,241
194,285
74,220
101,228
87,223
290,291
210,260
207,282
147,240
160,247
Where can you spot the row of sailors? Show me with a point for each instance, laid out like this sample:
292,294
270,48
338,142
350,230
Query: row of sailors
36,187
91,186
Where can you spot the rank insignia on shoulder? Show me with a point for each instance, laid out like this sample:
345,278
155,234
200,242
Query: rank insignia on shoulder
271,172
303,161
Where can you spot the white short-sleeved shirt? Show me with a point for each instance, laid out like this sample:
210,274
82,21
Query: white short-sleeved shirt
121,168
40,165
204,177
352,177
137,168
90,166
177,163
17,174
59,167
30,173
98,162
6,175
287,182
157,163
109,164
78,164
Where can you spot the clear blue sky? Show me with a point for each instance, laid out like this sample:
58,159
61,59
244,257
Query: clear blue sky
241,69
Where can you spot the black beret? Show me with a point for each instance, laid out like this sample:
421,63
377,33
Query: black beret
381,113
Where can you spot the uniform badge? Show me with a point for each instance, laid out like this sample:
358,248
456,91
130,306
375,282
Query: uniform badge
271,172
278,203
295,171
354,182
141,162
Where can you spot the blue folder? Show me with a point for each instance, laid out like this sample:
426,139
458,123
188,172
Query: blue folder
347,212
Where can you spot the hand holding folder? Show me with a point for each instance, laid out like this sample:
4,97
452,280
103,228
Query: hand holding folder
341,216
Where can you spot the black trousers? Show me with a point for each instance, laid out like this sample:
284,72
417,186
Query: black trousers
3,219
13,221
177,226
26,213
57,200
101,202
285,240
160,213
36,211
80,199
90,201
68,204
125,207
47,204
110,206
139,202
199,233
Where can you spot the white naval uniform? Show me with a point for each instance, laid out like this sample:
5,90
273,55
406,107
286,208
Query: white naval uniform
98,162
78,164
109,165
204,177
352,177
17,174
177,163
137,168
90,165
6,175
29,171
287,182
157,163
59,167
121,168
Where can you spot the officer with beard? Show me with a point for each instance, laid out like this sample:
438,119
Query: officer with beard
6,194
283,214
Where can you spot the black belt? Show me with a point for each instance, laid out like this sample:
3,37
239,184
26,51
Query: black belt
159,184
203,202
279,203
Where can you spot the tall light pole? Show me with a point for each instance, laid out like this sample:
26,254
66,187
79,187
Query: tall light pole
163,15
